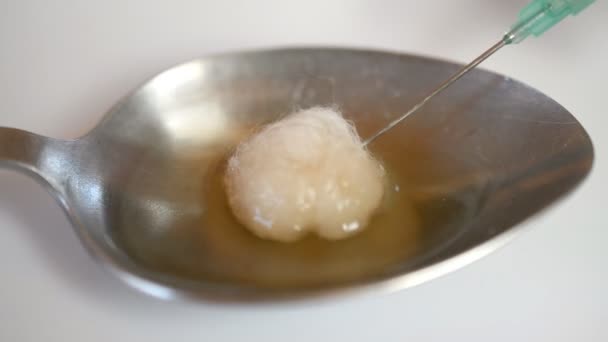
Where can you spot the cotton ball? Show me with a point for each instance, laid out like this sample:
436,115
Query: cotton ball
308,172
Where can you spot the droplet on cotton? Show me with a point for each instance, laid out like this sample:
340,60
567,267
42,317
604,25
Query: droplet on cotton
308,172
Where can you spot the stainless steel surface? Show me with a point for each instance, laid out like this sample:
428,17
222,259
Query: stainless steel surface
464,70
501,149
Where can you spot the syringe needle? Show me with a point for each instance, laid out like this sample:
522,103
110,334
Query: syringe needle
536,18
438,90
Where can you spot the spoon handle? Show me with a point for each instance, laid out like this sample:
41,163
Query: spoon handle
41,157
20,149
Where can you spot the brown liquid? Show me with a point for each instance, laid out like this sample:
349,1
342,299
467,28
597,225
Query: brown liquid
197,237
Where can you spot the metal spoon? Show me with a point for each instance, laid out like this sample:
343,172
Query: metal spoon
139,190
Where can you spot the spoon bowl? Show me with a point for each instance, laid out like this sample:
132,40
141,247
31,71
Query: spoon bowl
143,188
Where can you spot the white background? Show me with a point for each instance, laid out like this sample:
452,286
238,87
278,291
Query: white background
64,63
